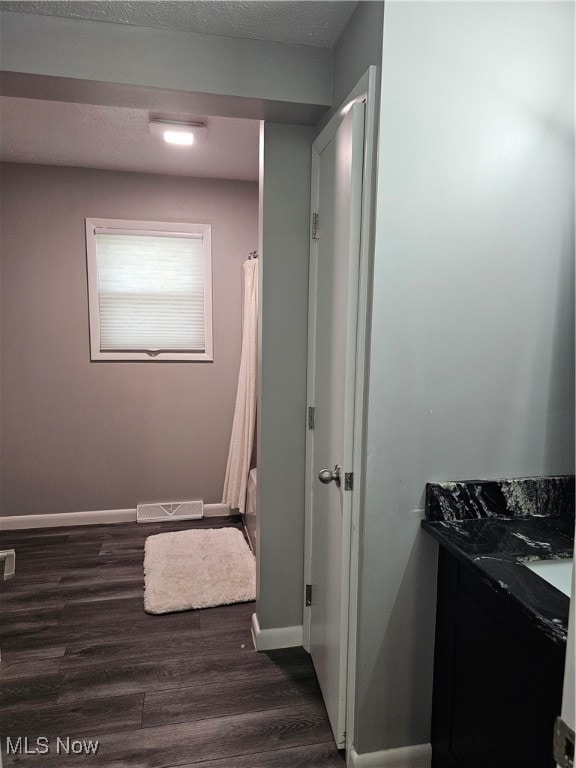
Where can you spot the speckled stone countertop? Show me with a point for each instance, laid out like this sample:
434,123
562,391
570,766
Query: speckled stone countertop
495,526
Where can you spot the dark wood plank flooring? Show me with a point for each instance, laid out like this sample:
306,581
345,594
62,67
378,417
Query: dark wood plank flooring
82,660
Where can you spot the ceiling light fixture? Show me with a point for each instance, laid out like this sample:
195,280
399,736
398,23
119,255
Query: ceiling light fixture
183,134
183,138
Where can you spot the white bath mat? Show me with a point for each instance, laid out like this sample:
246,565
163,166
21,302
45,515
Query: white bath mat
200,568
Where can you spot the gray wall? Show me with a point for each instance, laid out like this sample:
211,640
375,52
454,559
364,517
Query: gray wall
358,47
78,435
257,74
290,81
285,200
472,355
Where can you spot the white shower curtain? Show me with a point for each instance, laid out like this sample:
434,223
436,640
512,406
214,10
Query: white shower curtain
242,439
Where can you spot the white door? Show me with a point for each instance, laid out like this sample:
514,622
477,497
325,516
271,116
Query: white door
337,160
566,724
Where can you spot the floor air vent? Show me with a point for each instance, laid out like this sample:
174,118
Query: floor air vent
175,510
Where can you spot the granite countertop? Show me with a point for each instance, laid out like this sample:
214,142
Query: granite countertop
496,526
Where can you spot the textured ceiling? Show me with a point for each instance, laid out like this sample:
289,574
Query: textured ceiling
304,22
116,138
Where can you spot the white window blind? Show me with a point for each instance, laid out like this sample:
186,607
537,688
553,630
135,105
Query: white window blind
152,294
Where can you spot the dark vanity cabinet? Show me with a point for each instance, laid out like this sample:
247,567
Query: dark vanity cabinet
497,676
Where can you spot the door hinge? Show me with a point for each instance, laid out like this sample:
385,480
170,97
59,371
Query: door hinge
563,744
308,600
348,481
315,235
311,416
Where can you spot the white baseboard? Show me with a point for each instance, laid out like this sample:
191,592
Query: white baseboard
97,517
67,518
272,639
416,756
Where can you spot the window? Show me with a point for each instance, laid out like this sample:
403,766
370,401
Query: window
149,290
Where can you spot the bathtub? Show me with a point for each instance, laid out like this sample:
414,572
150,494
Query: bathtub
251,512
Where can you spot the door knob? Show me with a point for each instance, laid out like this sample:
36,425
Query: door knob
328,475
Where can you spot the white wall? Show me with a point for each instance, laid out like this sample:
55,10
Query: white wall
472,354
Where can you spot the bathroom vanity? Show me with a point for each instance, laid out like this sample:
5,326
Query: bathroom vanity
500,627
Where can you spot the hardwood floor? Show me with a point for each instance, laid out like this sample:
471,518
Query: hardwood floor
82,661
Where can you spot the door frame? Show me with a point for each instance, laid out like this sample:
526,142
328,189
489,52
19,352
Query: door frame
365,90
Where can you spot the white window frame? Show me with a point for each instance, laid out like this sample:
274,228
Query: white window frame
130,227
